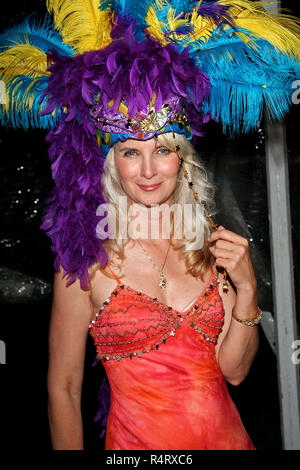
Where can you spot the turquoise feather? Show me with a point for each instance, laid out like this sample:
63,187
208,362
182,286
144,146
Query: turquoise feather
136,8
245,80
18,113
248,78
38,34
26,89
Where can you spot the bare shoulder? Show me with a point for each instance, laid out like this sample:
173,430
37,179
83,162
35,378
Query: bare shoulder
102,284
70,301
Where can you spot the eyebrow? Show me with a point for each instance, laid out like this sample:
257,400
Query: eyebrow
125,149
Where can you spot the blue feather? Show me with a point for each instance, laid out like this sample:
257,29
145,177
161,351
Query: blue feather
105,5
18,113
130,10
39,34
128,7
22,89
185,5
246,78
136,8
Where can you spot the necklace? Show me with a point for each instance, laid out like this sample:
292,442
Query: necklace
162,280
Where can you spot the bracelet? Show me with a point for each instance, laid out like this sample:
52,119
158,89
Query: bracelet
253,322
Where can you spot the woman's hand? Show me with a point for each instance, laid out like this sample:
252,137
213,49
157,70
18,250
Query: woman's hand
238,343
231,252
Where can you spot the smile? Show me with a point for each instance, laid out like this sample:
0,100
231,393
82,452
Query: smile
151,187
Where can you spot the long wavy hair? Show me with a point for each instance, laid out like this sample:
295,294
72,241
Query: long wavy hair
197,260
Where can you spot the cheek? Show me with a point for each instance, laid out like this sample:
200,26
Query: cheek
126,170
171,168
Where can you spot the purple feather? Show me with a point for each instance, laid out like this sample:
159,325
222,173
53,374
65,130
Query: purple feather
164,71
104,402
142,68
212,9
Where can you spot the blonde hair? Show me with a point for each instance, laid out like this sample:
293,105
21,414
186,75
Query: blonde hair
197,261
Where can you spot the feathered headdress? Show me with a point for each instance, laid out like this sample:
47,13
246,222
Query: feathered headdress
103,71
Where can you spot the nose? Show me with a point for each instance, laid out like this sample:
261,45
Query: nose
148,167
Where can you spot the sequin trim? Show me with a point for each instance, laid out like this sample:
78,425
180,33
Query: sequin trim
205,315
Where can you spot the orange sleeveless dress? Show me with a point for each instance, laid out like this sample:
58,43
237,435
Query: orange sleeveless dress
167,389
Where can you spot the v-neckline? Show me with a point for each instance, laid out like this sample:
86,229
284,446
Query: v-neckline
155,300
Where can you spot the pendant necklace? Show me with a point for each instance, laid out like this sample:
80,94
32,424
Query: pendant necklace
162,281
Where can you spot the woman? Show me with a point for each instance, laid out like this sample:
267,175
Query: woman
179,384
134,85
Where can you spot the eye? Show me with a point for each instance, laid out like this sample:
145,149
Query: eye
163,151
130,153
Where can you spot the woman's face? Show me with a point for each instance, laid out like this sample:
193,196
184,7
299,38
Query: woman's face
148,171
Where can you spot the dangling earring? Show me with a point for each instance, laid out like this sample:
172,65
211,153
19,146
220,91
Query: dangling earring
225,285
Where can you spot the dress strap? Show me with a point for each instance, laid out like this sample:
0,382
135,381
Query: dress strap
116,278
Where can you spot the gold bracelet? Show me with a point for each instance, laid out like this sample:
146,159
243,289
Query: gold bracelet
253,322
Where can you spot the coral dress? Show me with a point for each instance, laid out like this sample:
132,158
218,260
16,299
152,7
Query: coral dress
167,389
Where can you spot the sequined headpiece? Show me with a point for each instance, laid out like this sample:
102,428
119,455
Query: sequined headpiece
109,70
143,125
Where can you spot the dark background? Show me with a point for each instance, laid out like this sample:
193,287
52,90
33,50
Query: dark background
26,274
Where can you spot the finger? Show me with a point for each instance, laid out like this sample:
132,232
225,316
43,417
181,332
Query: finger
238,250
225,245
225,254
228,236
225,263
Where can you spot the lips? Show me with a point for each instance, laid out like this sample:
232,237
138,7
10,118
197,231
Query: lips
149,187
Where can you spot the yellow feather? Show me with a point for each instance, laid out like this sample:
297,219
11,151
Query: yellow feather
98,137
157,27
154,26
281,30
23,59
27,98
81,24
123,109
173,21
107,138
202,26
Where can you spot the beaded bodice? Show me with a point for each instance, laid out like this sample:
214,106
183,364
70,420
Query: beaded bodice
131,323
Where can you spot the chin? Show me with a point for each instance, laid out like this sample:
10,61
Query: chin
152,200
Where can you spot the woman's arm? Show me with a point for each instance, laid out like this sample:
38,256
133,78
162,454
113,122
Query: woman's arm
70,316
237,344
